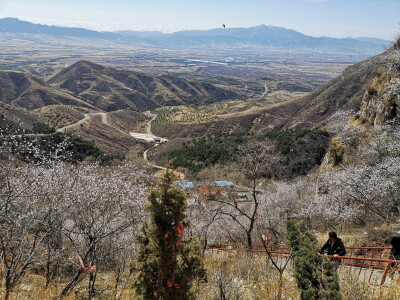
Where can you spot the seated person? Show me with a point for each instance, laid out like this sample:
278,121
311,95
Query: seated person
334,246
395,253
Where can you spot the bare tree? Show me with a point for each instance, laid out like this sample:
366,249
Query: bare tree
53,213
23,221
101,218
255,161
202,218
280,263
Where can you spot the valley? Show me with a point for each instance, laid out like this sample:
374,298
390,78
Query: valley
52,55
124,152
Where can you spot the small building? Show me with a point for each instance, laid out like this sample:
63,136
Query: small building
224,183
186,185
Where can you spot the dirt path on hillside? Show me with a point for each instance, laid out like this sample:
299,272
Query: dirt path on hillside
149,133
153,117
148,137
86,118
265,92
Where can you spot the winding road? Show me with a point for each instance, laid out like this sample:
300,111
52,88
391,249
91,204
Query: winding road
265,92
152,137
148,136
87,117
153,117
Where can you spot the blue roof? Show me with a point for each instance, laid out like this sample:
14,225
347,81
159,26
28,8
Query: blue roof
186,185
224,183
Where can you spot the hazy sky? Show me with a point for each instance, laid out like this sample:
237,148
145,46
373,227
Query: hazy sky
334,18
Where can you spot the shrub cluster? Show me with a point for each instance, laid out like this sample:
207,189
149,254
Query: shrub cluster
315,275
301,150
43,128
287,138
378,83
206,152
67,147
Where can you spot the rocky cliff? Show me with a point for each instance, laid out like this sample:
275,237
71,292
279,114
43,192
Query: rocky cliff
381,101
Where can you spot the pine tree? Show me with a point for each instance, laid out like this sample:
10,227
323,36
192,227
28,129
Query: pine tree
315,275
167,264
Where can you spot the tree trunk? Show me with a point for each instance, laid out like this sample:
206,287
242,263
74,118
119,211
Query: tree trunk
7,296
72,282
8,288
249,240
48,265
280,286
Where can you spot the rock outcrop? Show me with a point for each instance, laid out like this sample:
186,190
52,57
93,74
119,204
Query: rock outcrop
381,101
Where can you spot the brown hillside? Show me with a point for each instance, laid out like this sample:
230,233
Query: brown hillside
128,120
26,91
242,122
60,115
110,89
108,139
341,93
15,120
310,111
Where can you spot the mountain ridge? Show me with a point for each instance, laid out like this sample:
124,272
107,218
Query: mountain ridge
97,87
262,35
26,91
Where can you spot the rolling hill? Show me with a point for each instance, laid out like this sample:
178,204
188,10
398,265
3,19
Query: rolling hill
110,89
92,86
22,90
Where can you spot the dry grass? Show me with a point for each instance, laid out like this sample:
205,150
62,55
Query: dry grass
236,275
183,115
60,115
33,287
244,276
354,285
335,152
223,172
379,82
128,121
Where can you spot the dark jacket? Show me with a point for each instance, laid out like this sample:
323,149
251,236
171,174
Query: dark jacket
395,253
334,248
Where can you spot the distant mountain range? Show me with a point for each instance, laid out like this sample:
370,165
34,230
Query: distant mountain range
13,25
270,36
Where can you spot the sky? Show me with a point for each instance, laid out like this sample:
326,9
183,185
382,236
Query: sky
333,18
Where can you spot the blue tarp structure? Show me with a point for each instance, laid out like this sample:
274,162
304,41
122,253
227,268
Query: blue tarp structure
186,185
224,183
